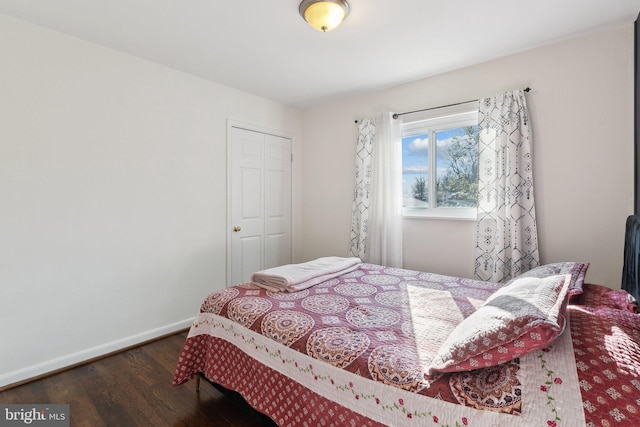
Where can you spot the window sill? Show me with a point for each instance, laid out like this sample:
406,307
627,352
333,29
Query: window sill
443,213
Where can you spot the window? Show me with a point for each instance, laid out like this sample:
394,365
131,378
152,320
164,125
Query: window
440,163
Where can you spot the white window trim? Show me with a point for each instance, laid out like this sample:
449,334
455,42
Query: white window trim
435,120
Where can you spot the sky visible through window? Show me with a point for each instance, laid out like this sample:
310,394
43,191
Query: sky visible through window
415,160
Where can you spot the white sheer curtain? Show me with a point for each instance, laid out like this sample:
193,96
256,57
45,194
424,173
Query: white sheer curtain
376,232
507,238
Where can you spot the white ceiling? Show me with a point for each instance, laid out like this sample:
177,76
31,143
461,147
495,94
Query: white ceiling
264,47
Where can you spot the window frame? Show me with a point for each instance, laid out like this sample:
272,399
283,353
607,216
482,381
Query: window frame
430,122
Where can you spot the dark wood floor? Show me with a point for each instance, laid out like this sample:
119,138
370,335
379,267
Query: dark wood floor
133,388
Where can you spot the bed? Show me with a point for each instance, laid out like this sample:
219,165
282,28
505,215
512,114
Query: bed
379,346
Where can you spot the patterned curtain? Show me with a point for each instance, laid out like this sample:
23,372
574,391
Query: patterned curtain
362,192
507,238
376,228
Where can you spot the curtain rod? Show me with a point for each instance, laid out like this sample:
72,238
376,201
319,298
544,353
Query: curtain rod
396,115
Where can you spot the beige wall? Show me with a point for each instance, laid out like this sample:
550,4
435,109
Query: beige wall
113,196
581,107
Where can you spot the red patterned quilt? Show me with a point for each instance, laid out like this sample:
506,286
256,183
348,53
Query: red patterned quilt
354,350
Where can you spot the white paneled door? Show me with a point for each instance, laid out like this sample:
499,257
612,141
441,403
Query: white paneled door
259,167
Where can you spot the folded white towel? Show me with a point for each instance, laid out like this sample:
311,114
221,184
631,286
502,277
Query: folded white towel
295,277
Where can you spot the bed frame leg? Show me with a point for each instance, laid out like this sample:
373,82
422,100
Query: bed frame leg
198,384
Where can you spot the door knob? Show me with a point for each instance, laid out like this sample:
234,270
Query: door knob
236,228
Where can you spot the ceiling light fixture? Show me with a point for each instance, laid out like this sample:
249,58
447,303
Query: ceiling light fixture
324,15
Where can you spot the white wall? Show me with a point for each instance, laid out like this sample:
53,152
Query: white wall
581,108
112,196
112,181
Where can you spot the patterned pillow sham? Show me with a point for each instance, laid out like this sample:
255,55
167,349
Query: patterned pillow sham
526,315
598,295
577,270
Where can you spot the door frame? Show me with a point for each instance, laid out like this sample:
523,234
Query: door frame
229,223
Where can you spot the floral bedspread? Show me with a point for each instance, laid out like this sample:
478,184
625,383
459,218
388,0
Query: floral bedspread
607,351
354,350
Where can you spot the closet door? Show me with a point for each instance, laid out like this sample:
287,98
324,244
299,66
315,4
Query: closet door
260,202
277,217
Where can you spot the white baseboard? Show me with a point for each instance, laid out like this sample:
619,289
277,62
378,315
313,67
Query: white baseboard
90,353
